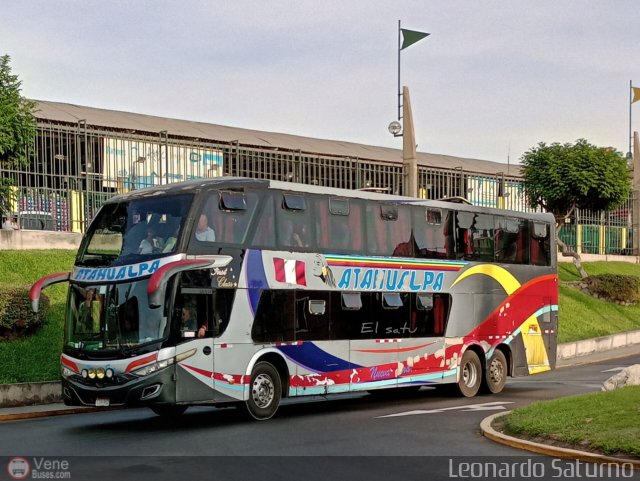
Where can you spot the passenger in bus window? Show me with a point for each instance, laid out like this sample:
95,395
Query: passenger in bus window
205,233
190,323
300,237
151,244
89,312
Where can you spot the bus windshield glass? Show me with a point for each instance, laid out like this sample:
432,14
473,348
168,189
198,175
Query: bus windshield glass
112,316
134,231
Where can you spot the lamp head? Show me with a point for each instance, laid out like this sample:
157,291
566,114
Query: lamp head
395,128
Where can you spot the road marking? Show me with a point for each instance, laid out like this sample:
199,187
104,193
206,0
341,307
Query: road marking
613,369
492,406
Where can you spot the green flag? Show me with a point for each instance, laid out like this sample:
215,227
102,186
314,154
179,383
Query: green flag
409,37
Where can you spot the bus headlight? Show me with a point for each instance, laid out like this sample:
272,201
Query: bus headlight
66,372
92,373
109,373
154,367
100,373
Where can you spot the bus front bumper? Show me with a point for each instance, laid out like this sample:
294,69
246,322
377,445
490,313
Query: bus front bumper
158,387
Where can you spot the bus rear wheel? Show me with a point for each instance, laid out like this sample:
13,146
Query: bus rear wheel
169,411
265,391
470,374
495,377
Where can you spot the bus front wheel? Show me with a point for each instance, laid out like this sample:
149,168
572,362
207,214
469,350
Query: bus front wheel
265,391
495,376
470,374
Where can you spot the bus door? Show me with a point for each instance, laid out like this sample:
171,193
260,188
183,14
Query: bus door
193,321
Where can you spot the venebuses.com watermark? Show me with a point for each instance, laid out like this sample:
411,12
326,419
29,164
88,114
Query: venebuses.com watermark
38,468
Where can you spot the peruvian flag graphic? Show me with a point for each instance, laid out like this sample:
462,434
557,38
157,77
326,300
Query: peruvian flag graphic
290,271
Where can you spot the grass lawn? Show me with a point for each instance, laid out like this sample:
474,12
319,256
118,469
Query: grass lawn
37,357
582,316
607,422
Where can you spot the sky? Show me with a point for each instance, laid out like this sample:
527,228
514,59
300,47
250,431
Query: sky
492,80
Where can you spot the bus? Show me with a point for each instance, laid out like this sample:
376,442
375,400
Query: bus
247,291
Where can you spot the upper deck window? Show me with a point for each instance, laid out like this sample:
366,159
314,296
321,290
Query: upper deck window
134,231
225,218
540,244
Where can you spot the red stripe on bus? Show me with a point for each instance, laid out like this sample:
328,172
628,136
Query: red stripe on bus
69,363
141,362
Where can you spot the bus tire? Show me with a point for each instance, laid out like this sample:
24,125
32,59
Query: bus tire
470,374
265,391
169,411
495,376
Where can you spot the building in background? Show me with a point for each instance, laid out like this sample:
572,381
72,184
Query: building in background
85,155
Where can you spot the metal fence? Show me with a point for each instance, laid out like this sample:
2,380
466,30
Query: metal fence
75,168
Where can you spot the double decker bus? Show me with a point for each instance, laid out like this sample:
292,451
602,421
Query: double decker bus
246,291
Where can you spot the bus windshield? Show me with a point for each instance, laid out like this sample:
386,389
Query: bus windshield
112,316
134,231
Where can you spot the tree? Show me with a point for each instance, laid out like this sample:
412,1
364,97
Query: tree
17,129
561,178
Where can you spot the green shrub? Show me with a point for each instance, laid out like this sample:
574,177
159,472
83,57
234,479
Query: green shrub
16,316
615,287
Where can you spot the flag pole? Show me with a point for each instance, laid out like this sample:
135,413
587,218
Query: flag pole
399,49
630,103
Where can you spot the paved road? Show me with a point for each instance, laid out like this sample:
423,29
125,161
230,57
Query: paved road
357,435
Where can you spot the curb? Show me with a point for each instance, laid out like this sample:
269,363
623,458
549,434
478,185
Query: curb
577,349
553,451
18,416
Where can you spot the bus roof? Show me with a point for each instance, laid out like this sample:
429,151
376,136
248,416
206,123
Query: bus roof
196,185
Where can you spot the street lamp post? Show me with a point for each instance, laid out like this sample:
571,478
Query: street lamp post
406,129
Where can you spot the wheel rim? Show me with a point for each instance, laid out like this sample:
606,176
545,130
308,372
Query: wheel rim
496,372
263,390
469,374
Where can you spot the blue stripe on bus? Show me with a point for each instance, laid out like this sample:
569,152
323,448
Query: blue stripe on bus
311,357
256,278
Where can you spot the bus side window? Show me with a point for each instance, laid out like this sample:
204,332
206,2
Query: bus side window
322,225
313,311
482,237
293,222
441,305
355,224
540,248
402,235
464,247
264,235
340,224
274,320
522,243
